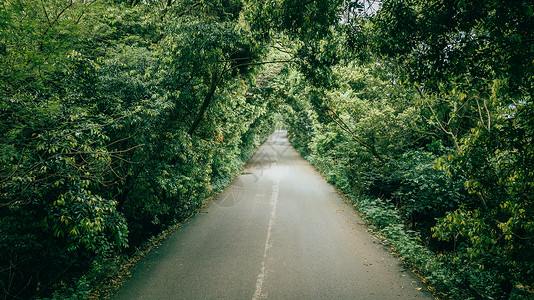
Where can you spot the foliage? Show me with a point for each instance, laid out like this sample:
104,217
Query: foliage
118,120
477,59
370,143
119,117
431,112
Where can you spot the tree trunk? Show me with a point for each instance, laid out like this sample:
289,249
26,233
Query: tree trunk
205,103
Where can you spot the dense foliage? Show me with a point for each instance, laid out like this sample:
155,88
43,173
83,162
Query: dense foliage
429,111
119,118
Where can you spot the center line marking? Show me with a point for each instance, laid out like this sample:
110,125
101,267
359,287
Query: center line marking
261,277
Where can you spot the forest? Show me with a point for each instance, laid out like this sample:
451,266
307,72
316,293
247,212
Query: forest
121,118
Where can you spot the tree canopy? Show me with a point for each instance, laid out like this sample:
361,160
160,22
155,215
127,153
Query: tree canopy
119,118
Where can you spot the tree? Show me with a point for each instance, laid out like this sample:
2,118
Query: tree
118,120
471,64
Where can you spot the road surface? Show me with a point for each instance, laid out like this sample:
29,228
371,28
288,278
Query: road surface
278,232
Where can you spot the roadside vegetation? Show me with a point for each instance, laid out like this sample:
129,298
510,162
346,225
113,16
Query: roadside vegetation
118,118
425,121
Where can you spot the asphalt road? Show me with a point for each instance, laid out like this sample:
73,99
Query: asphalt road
279,232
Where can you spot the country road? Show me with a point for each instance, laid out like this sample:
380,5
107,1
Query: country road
279,232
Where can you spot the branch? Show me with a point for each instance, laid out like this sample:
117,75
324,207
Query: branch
46,13
97,152
347,129
57,18
454,140
123,139
255,63
215,79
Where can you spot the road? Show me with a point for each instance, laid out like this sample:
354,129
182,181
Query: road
278,232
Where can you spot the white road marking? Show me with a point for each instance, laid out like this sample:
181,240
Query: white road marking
268,243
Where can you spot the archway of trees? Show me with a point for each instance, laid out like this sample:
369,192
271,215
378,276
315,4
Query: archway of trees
118,118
